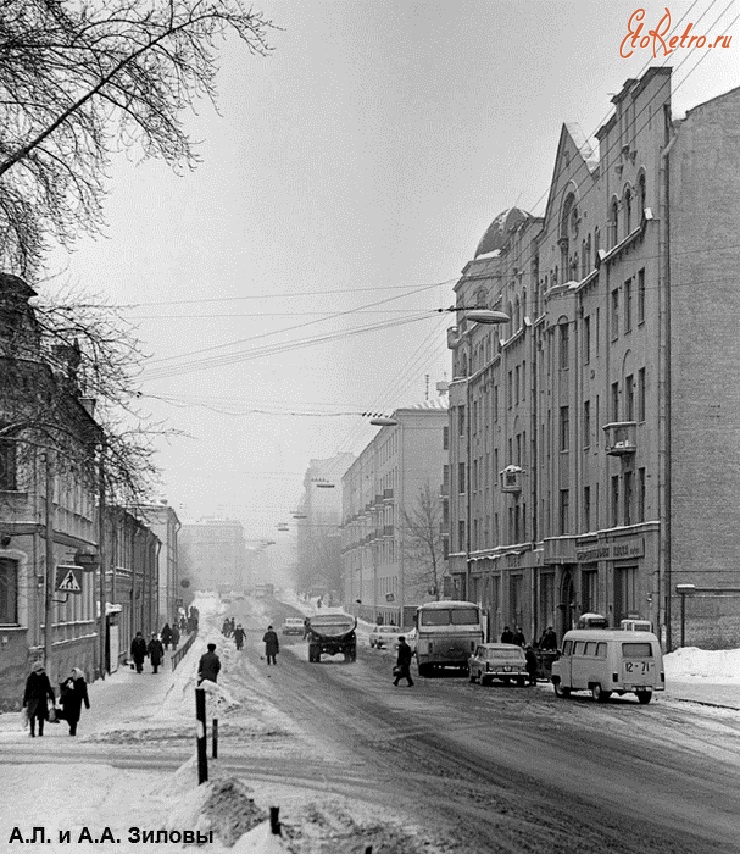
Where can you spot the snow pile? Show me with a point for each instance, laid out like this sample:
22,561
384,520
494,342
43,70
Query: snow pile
717,665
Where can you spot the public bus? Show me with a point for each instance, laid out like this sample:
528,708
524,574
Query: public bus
449,631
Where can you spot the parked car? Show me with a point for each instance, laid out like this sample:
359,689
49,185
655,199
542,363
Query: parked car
383,636
504,661
293,626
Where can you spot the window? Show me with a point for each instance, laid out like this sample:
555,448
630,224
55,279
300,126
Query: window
628,479
516,384
524,381
445,438
586,508
445,479
641,296
641,495
627,211
564,511
642,397
461,420
509,390
637,650
586,340
461,478
628,306
615,402
519,449
475,534
461,535
598,420
8,465
495,403
615,314
598,329
597,508
475,417
589,594
475,475
614,223
586,423
629,393
564,428
8,591
615,501
641,195
563,346
597,241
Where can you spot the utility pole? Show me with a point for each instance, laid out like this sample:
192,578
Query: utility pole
50,573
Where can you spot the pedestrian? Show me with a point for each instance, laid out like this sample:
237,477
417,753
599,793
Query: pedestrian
239,635
518,638
549,639
138,651
306,628
38,688
209,665
225,627
175,637
272,646
403,663
166,635
156,652
507,635
531,665
73,693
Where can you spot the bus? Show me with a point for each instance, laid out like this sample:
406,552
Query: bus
448,633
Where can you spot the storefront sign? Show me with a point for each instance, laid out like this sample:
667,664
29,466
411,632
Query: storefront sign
622,550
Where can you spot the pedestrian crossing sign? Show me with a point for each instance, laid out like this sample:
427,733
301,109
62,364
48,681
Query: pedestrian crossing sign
69,579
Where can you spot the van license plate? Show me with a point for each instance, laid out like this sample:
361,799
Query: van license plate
639,667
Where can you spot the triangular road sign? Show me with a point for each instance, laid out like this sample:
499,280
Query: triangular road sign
69,583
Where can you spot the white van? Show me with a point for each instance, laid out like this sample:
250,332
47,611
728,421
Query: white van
609,661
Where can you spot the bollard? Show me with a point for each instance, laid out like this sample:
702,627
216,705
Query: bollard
200,734
274,822
214,739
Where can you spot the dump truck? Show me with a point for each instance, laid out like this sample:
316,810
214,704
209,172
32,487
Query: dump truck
332,634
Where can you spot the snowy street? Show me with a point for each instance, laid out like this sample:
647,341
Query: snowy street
352,762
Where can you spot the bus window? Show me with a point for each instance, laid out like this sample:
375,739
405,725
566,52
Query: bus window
464,616
637,650
601,650
580,645
590,649
568,648
435,618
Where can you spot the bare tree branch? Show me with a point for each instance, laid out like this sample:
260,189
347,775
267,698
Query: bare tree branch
423,544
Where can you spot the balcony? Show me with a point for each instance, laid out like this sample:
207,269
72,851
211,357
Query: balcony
387,495
620,438
511,479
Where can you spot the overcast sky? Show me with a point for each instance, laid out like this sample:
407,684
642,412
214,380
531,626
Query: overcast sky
365,157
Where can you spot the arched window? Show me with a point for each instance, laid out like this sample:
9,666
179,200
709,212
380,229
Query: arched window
517,318
614,223
524,305
574,267
627,210
481,299
465,364
555,276
597,241
510,312
641,195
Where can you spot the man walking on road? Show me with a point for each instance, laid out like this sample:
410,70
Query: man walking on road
209,665
38,688
403,663
138,651
239,635
156,652
272,646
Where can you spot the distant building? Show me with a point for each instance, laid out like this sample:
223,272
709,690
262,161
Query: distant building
594,436
213,553
383,488
162,520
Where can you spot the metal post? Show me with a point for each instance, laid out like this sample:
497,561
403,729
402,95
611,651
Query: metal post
214,739
683,620
200,734
101,559
274,820
49,575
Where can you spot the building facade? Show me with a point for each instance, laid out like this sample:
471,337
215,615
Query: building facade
162,520
591,434
214,554
389,493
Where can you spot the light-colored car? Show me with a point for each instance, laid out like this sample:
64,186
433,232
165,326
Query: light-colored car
383,636
504,661
293,626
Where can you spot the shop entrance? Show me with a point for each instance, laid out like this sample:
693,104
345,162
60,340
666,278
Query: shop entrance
567,602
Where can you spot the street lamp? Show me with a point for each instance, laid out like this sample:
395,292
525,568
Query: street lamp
480,315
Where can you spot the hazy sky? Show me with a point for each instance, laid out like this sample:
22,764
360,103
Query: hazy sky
365,157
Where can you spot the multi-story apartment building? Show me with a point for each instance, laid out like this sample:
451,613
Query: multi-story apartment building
592,436
383,490
319,516
162,520
213,554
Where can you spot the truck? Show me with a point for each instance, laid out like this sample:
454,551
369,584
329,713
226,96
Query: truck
332,634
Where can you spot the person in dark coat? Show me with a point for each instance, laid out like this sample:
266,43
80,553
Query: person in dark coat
138,651
518,638
306,628
73,692
175,637
38,688
226,627
156,652
239,635
272,646
507,635
209,665
403,663
166,635
549,639
531,658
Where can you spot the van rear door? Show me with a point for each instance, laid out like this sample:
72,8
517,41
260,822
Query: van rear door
639,667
